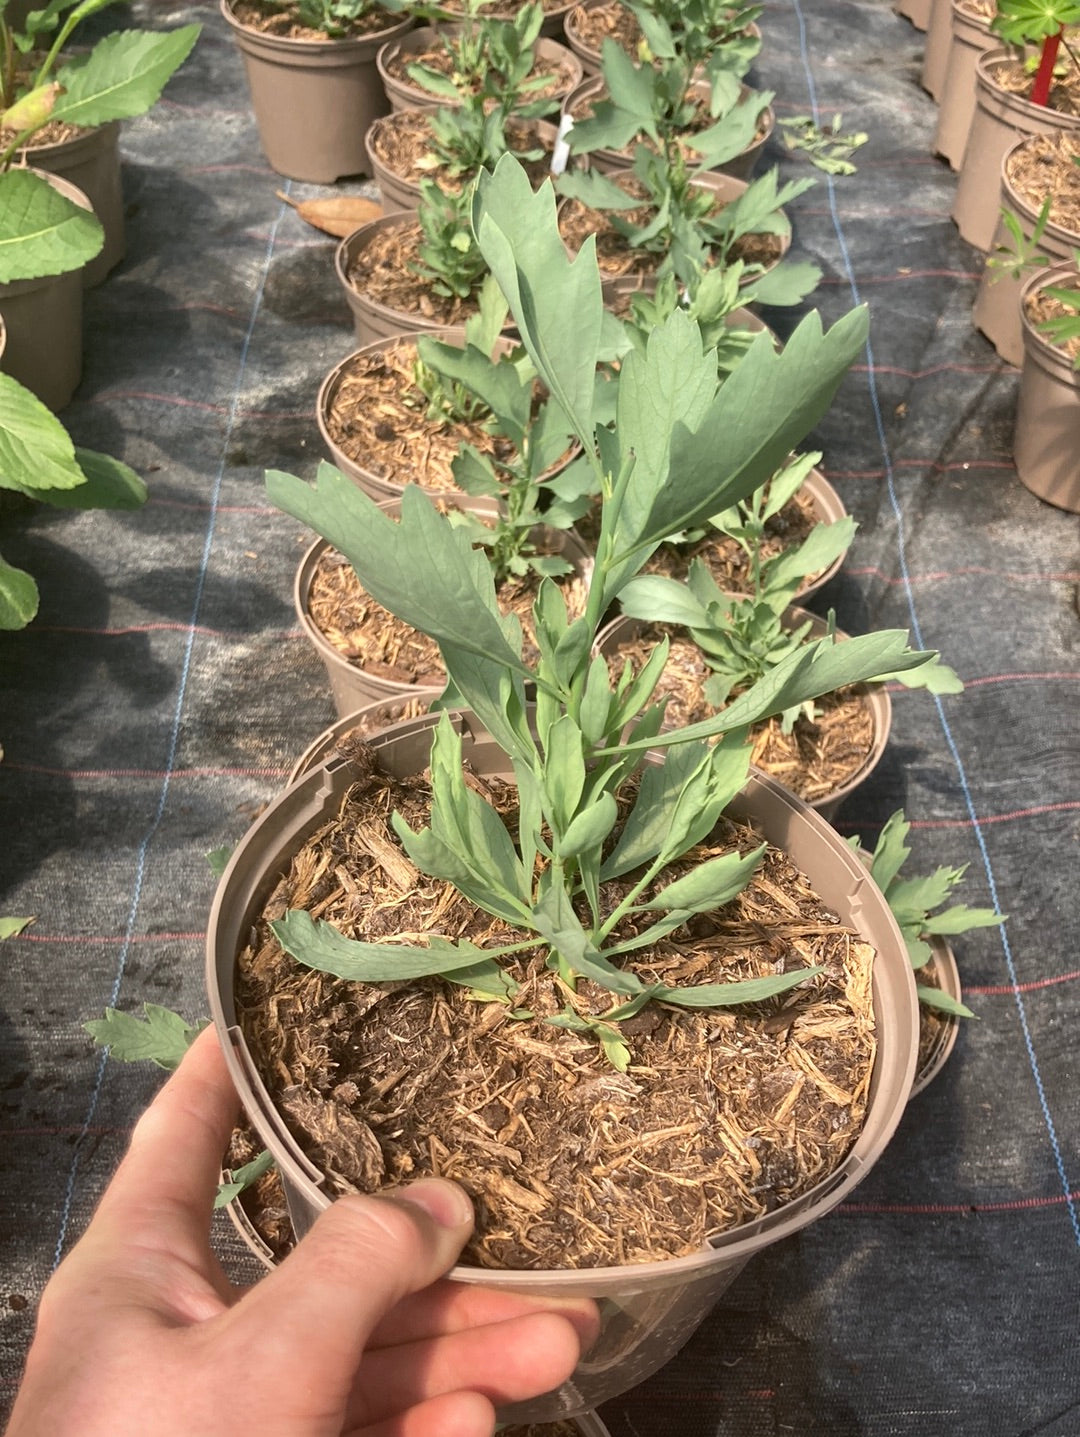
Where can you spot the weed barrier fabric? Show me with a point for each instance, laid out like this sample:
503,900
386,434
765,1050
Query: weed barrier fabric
162,694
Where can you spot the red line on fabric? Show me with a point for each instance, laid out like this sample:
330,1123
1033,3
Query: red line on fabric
954,466
877,215
936,575
185,403
218,509
61,1132
995,990
148,772
107,938
943,1209
1009,678
241,169
1009,817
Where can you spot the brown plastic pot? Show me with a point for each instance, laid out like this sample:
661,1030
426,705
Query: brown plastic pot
43,318
354,688
620,629
917,11
551,27
936,51
649,1310
403,95
313,99
1000,120
91,162
400,194
1046,440
608,161
948,976
997,303
589,55
246,1230
370,719
971,37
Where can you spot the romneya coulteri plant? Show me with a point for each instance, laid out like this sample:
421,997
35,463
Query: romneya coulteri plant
1042,23
681,447
918,905
743,638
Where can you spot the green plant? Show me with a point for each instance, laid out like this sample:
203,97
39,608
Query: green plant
712,34
42,233
448,256
538,436
163,1037
917,905
1022,257
825,146
1041,22
491,64
337,18
744,638
681,448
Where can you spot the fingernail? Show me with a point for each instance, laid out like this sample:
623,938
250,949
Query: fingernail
442,1200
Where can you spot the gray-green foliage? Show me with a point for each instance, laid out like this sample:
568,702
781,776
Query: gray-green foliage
588,734
918,904
162,1037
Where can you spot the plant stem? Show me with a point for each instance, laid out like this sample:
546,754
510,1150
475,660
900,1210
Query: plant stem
1040,91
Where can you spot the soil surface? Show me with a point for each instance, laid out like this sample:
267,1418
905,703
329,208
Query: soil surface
283,20
814,760
1049,165
1015,79
591,26
1040,306
383,272
722,1116
379,418
402,142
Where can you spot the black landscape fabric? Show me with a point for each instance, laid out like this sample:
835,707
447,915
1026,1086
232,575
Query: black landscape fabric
164,690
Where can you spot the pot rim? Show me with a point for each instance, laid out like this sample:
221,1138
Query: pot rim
301,807
402,181
90,138
1054,119
420,99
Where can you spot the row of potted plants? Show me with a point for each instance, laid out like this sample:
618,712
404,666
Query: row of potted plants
656,1013
1010,123
61,228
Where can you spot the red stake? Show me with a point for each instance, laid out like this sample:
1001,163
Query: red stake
1040,91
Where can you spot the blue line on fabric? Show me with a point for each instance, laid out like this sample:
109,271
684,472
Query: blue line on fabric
174,733
879,423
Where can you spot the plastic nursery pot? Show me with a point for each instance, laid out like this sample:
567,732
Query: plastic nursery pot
369,720
90,160
353,687
313,99
398,193
395,55
917,11
948,977
1000,119
997,303
936,51
43,318
651,1309
589,54
246,1230
608,161
624,628
1046,440
551,27
971,36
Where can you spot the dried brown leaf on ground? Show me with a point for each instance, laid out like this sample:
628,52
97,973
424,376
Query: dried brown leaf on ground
339,215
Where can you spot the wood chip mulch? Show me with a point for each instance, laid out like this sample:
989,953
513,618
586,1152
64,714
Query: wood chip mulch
1049,165
562,76
723,1115
274,19
1041,306
383,271
1015,79
402,142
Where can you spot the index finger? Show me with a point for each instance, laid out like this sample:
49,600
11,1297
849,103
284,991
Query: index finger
163,1191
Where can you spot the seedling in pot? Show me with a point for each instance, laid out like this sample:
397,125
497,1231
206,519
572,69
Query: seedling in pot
743,639
1042,23
491,64
448,256
712,34
163,1037
538,436
681,448
1023,257
918,906
336,19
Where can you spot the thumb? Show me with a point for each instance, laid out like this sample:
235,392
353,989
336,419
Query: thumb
316,1312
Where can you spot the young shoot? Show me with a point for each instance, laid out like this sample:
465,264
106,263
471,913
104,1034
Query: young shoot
918,905
591,809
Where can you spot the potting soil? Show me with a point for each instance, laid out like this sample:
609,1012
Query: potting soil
164,690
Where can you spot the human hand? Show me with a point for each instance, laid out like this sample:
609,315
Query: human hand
140,1334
